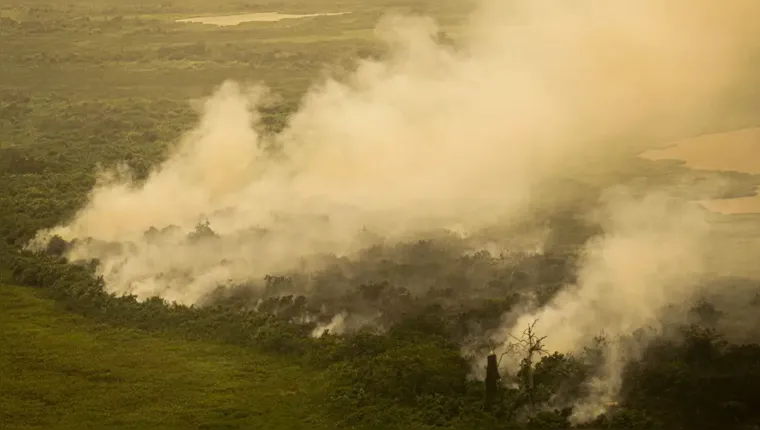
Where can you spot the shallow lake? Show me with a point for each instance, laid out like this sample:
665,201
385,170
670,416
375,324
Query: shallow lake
737,150
224,20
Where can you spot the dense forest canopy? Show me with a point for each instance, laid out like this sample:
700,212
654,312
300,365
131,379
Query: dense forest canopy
393,197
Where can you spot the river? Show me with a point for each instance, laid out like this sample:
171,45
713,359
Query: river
737,150
225,20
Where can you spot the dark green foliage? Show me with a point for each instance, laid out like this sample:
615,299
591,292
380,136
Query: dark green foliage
414,373
697,382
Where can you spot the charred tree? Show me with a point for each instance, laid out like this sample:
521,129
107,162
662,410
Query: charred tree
492,381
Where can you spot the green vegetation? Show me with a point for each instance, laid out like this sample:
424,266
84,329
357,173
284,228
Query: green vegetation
411,377
85,84
58,370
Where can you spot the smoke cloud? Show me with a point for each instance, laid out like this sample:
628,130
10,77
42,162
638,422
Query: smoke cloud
435,137
649,257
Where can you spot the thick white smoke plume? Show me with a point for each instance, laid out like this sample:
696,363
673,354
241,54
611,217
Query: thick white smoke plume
649,257
435,137
428,138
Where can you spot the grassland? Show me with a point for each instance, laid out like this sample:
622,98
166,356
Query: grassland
61,371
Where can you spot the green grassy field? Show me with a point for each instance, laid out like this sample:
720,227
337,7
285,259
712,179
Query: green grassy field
60,371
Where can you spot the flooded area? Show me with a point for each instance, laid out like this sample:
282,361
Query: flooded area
226,20
737,150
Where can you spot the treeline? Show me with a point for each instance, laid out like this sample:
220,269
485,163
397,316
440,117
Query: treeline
414,375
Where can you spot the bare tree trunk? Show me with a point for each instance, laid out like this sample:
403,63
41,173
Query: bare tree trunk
492,381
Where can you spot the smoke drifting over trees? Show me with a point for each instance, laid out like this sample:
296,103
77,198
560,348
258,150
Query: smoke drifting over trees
449,176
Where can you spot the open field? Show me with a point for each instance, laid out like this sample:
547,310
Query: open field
60,371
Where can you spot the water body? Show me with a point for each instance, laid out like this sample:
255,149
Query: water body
226,20
737,150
